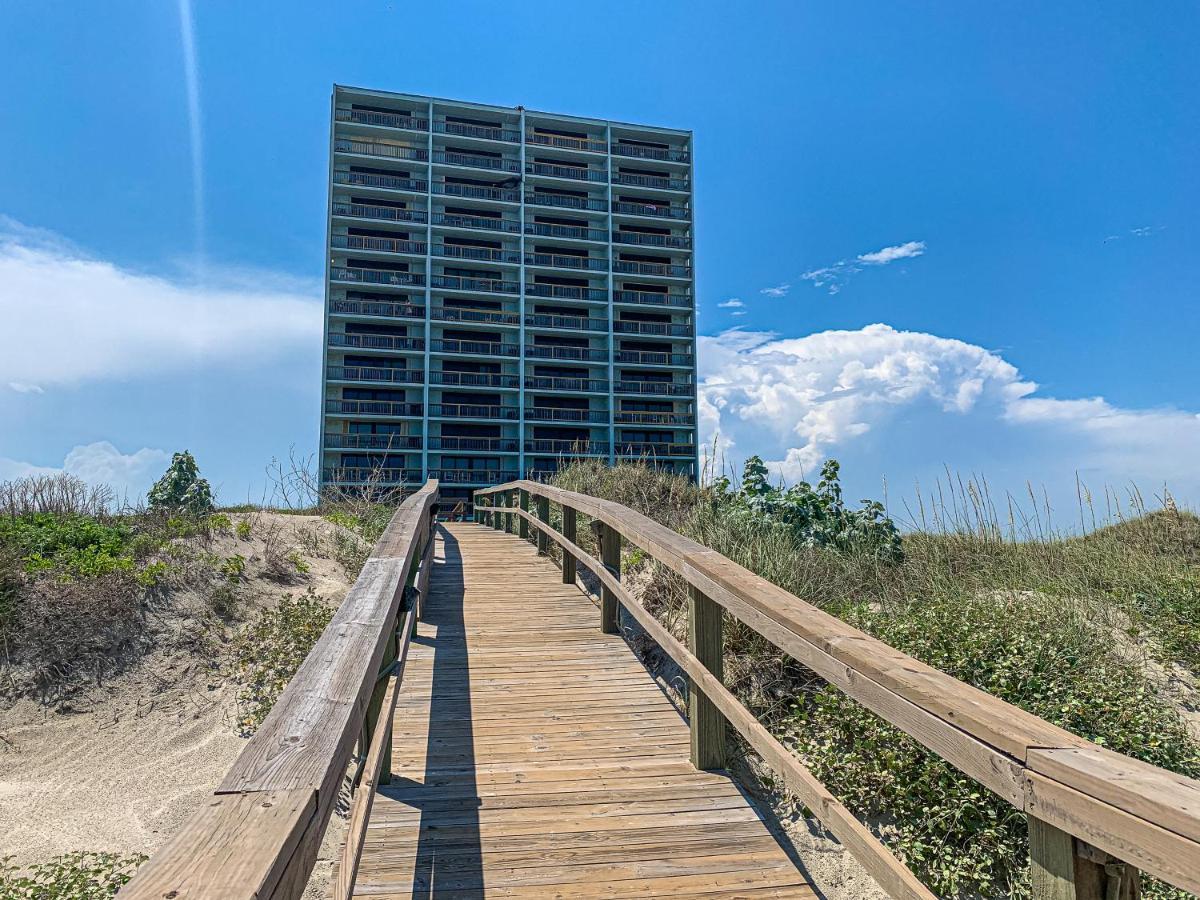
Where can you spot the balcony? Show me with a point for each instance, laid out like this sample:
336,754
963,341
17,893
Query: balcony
566,232
482,285
474,444
657,182
559,261
485,223
386,151
472,161
375,373
477,348
472,476
484,254
483,132
569,172
588,145
655,388
367,475
387,182
595,204
578,385
644,358
376,308
661,329
387,120
584,354
385,213
654,210
472,411
650,298
372,408
372,441
568,448
553,414
654,448
677,242
674,420
486,316
375,341
475,379
566,292
663,270
382,245
668,154
477,192
376,276
574,323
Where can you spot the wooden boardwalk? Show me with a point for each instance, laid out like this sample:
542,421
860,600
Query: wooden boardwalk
533,756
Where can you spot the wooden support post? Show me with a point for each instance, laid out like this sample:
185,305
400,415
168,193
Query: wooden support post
705,642
375,705
542,510
609,540
510,502
1051,863
497,499
568,530
523,525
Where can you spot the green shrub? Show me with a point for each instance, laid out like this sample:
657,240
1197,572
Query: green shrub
300,563
181,489
220,523
243,529
73,876
233,568
74,546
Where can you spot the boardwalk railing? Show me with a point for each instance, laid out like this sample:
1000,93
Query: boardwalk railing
259,834
1095,817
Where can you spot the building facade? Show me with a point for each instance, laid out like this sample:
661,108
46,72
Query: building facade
505,290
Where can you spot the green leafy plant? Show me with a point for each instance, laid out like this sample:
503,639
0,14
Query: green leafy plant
220,523
233,568
244,529
72,876
181,488
301,564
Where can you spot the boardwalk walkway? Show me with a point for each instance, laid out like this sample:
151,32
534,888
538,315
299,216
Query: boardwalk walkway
533,756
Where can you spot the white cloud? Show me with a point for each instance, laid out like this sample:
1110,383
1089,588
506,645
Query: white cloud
797,401
100,463
738,312
70,318
891,254
780,290
22,388
732,303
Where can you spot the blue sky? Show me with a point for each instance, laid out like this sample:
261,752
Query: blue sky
1028,170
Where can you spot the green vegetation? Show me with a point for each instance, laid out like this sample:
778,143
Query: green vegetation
73,876
1060,626
181,488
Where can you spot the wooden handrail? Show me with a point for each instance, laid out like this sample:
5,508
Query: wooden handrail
259,834
1109,803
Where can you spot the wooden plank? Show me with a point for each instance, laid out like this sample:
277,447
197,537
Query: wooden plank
609,540
705,642
568,559
1051,862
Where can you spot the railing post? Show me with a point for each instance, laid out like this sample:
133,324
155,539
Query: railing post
542,505
568,530
523,525
705,641
510,502
497,500
1062,867
609,540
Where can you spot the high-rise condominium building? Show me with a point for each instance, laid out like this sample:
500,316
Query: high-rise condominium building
506,289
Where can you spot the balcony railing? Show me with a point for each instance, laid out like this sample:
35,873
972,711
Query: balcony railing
477,192
680,420
568,232
667,270
376,276
658,388
472,411
385,245
649,298
549,383
574,173
487,254
373,408
390,120
483,285
559,261
485,132
596,204
588,145
376,308
654,448
487,223
373,441
489,316
371,475
478,348
389,213
665,211
667,154
375,373
376,341
569,448
566,292
475,379
665,329
645,358
472,476
474,444
577,323
660,182
678,242
586,354
470,160
554,414
373,148
389,182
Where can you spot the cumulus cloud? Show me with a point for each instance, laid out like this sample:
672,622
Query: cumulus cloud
732,303
71,318
891,254
780,290
100,463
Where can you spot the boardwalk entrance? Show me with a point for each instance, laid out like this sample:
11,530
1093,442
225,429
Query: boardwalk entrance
533,756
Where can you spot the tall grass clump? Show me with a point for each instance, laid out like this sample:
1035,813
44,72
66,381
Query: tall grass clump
1076,629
